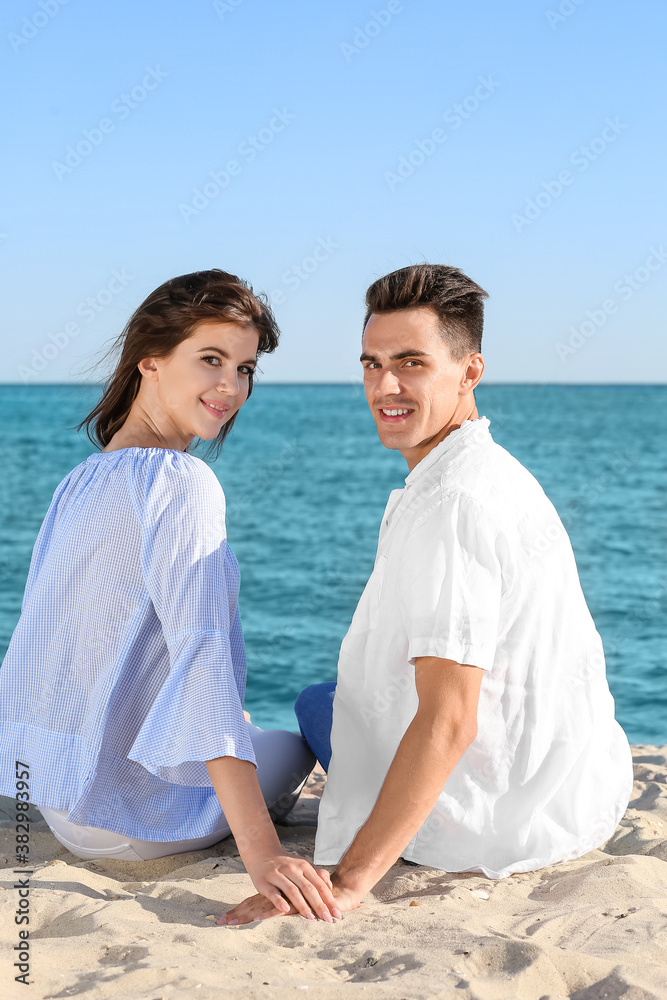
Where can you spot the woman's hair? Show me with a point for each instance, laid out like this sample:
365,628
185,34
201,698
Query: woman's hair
165,319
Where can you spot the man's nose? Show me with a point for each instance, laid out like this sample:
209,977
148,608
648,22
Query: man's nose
388,383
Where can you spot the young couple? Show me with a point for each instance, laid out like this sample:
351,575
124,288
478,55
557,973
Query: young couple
471,727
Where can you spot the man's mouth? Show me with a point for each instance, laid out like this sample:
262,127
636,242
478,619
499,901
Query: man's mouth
394,414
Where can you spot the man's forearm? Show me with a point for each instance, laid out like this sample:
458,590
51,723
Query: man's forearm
425,758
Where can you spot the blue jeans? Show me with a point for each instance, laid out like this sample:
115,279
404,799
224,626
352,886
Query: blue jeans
314,711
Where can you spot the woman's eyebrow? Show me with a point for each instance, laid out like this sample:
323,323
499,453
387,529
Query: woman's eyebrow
251,361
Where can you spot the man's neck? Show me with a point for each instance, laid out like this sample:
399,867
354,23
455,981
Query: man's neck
414,455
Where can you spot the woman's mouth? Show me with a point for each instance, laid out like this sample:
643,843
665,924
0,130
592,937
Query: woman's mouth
218,410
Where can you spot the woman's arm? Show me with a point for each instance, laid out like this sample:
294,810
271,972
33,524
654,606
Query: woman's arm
276,875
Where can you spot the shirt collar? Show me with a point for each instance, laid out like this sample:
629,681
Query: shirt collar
470,432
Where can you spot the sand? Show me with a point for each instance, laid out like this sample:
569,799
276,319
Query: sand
592,928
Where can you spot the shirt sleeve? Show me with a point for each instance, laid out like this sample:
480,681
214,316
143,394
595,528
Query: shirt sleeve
450,585
197,714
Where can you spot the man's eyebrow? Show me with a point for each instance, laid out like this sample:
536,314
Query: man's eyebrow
399,356
252,361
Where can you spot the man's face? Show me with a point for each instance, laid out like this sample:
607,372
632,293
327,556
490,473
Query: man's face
408,368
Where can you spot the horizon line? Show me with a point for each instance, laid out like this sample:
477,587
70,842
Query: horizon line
573,385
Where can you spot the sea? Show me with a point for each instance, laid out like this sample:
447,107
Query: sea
306,482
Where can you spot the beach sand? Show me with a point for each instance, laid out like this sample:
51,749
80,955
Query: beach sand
591,928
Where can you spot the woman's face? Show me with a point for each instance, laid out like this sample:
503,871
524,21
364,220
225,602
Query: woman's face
203,382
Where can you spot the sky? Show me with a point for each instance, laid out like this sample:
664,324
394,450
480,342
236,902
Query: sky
312,147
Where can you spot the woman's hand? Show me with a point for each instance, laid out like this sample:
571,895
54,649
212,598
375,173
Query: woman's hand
260,907
284,879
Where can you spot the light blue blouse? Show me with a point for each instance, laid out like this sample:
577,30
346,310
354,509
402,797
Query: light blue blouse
126,670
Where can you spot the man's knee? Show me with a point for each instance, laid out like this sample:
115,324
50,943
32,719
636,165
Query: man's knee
313,695
305,699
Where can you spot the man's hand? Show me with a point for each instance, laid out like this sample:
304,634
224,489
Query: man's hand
443,727
260,908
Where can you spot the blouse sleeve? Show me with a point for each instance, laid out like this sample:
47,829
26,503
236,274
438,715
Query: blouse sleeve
450,585
197,714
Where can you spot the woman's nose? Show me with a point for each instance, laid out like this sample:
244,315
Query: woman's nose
229,381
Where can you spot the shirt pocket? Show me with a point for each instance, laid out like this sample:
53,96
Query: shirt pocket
367,612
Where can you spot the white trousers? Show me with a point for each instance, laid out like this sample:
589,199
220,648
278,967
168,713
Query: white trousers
283,764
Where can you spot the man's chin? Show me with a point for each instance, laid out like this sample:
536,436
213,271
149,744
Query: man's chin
394,440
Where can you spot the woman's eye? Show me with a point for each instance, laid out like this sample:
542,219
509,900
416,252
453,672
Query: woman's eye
246,369
210,357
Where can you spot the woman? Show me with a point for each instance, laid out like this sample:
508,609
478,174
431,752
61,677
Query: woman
123,683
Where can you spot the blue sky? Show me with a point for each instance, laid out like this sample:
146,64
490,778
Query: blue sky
523,142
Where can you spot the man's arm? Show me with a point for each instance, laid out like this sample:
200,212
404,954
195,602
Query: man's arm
444,725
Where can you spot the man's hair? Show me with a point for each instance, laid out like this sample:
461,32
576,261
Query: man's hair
454,298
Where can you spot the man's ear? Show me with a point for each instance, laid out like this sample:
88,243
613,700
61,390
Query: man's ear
472,373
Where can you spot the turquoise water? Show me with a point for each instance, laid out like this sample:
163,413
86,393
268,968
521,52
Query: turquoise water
306,482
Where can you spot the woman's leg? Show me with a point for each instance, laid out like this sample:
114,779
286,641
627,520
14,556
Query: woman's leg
314,712
283,764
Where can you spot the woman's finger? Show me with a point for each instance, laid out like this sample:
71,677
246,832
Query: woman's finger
287,883
322,882
314,890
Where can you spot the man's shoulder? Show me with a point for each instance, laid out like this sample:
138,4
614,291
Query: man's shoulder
488,482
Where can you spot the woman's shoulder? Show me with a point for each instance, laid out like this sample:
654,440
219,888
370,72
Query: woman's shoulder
158,475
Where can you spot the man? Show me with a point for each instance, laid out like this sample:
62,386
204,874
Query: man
473,727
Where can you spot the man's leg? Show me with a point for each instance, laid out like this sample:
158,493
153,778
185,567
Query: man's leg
314,712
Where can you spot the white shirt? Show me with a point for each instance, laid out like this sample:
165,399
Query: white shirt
474,565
